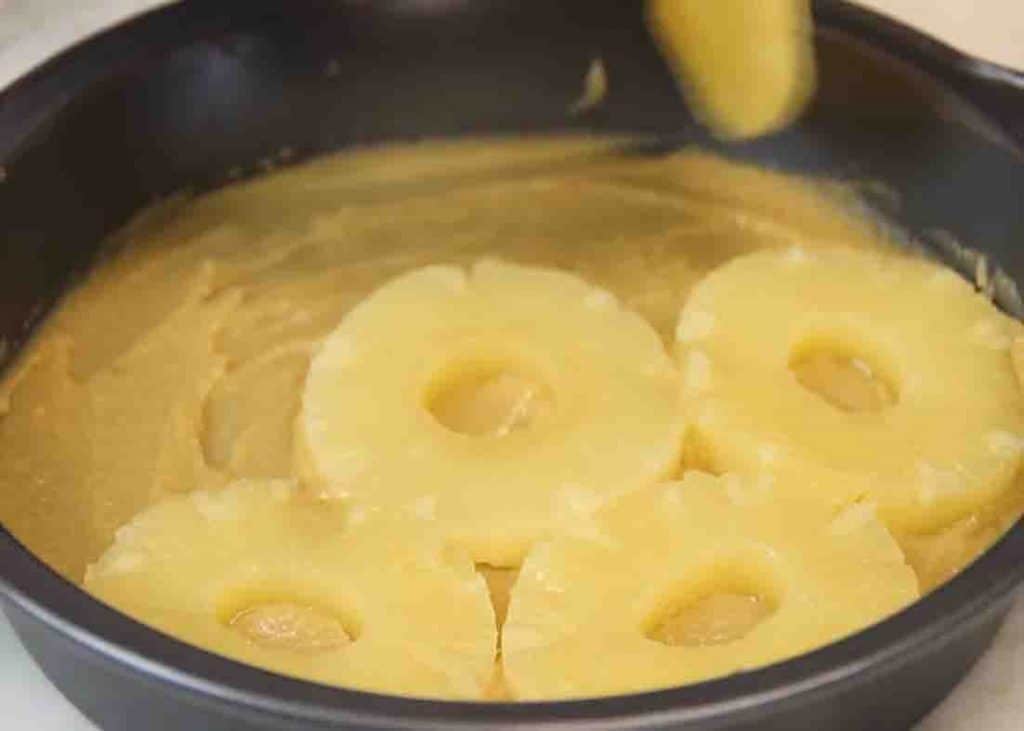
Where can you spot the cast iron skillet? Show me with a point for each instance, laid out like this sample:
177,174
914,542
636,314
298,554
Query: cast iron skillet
194,94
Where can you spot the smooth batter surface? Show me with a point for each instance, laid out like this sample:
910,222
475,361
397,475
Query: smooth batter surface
179,363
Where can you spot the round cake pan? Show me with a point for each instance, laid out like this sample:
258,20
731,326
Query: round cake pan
195,95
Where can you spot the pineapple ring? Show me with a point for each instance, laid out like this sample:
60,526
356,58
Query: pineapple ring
944,435
609,419
586,609
258,574
748,67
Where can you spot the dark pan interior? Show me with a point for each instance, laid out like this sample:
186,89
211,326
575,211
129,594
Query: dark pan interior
202,93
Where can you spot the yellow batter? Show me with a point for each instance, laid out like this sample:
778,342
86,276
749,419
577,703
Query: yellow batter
178,365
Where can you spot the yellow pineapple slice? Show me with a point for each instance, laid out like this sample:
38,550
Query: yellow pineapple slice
855,375
305,588
686,581
499,402
747,65
249,414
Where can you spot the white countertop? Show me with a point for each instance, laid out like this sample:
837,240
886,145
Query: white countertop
990,699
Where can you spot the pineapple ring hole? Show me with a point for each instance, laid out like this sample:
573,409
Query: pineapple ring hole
723,608
487,400
293,626
847,380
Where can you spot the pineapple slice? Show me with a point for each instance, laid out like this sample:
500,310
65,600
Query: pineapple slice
685,581
249,414
499,402
855,375
305,588
747,65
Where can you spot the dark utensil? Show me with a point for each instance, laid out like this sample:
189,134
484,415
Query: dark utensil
189,95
